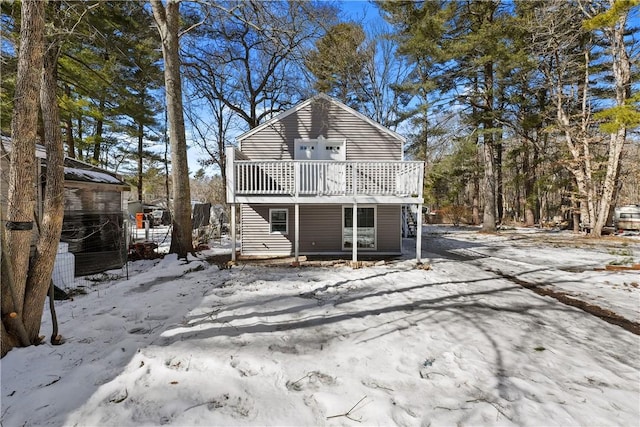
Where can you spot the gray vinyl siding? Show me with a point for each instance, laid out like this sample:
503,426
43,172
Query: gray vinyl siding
364,140
388,228
256,236
320,230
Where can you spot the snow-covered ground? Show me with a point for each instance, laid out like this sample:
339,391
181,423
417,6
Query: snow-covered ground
190,344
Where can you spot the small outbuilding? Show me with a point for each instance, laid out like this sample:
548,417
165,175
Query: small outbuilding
95,203
95,209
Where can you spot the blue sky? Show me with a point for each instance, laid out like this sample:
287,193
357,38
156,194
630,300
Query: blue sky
367,13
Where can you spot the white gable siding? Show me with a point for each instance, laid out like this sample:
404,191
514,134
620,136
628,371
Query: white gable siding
365,141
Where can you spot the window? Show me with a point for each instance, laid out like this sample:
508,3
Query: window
366,228
319,149
278,221
629,215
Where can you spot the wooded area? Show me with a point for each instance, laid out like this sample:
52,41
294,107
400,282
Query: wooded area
523,111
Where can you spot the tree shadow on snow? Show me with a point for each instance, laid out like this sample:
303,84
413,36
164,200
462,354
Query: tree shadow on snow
345,303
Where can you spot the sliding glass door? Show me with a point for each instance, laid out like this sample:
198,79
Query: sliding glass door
366,227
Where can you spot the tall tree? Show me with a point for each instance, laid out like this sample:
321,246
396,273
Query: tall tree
338,63
384,70
572,57
90,69
213,136
168,22
461,48
50,225
246,65
418,31
612,23
9,39
22,291
142,78
106,62
249,56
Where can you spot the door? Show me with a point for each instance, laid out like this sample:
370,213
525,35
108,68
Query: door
307,149
333,150
326,177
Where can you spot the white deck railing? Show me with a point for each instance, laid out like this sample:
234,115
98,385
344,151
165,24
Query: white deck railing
328,178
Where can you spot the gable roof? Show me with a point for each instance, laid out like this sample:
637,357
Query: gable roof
308,102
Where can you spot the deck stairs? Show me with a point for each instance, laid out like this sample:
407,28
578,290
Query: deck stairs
409,223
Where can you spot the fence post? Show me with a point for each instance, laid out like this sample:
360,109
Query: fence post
419,235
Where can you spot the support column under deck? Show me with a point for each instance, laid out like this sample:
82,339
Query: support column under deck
354,237
419,234
296,245
233,232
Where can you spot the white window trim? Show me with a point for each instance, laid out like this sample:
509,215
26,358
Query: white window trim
375,227
286,223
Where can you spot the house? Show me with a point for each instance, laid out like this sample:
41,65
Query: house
298,178
95,204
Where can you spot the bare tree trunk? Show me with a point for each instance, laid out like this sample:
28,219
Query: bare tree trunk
222,131
580,152
498,171
14,333
168,21
575,214
68,126
39,278
21,197
140,155
475,213
490,158
489,214
80,155
621,66
97,145
530,157
587,173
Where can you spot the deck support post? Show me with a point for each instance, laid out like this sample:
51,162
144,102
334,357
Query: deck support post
233,232
354,223
296,245
419,234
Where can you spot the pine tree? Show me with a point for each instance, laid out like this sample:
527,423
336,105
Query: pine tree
338,63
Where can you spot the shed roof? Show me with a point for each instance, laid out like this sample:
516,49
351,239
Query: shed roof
75,170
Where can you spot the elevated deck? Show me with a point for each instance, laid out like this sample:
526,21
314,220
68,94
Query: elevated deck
324,181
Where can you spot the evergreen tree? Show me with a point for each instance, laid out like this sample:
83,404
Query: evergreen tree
460,49
338,63
168,23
